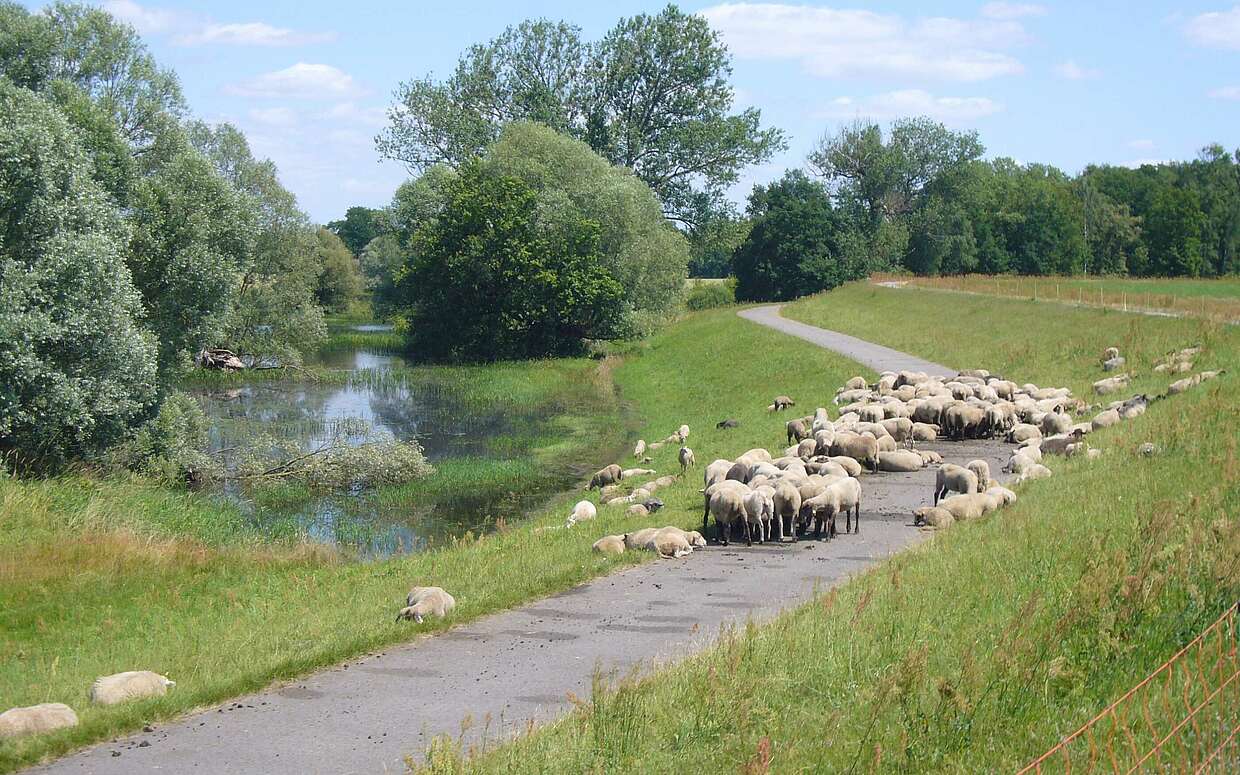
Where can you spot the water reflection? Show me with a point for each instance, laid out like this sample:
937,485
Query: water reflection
406,403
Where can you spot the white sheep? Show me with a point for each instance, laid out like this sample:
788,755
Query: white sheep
639,449
129,685
609,545
933,516
426,601
1002,493
953,478
584,510
1105,419
1111,384
686,459
36,719
982,469
682,433
1035,471
727,504
900,461
760,509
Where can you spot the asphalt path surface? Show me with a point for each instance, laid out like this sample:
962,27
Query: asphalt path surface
495,675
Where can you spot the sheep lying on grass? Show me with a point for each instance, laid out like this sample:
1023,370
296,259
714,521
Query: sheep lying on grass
609,545
426,601
36,719
583,511
130,685
933,516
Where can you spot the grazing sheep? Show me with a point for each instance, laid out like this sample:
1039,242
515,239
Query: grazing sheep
682,433
605,476
728,423
961,421
854,383
1111,364
716,472
863,449
639,449
1035,471
130,685
36,719
584,510
953,478
637,510
783,402
728,507
1002,493
1105,419
933,516
609,545
796,431
841,496
1061,445
1181,385
969,506
652,505
982,469
426,601
901,461
686,459
1111,384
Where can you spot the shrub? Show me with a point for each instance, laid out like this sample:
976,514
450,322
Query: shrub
711,295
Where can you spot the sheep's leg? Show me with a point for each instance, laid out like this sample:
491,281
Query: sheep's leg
748,534
725,532
857,516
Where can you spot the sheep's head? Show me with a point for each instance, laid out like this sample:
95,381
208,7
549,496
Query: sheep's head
410,612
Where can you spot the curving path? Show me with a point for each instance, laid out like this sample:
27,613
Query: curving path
866,353
504,670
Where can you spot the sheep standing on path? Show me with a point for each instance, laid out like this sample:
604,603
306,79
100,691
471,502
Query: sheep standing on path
686,459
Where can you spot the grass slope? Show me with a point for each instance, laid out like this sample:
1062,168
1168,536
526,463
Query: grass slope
977,651
98,577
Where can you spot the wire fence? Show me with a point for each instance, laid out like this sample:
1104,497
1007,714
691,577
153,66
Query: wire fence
1184,717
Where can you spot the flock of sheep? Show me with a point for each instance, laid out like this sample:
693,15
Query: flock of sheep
812,483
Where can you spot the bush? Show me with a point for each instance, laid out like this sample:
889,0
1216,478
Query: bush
76,372
711,295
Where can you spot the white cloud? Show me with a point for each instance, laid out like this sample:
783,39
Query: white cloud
1141,145
1074,72
852,42
251,34
1002,10
144,20
274,116
303,80
350,112
1217,29
1226,93
912,102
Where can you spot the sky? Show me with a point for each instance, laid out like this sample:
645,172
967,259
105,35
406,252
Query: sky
1065,84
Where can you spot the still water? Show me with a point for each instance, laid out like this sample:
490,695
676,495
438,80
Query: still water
392,399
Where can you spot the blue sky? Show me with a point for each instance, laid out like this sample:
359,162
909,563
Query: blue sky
1066,84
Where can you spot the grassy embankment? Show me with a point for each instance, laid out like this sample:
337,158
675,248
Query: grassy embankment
102,576
1216,299
978,651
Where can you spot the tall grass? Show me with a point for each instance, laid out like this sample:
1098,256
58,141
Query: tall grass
979,650
91,586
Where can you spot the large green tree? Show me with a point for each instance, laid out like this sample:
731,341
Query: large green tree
793,247
494,278
76,370
652,95
340,283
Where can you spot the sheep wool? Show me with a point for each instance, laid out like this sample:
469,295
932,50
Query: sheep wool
609,545
426,601
36,719
130,685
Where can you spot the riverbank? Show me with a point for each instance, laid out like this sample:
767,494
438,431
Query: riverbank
223,617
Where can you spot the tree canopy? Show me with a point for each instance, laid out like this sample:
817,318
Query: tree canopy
652,95
535,247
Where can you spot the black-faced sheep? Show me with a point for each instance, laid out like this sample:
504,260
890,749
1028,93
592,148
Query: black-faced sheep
782,402
727,424
796,431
